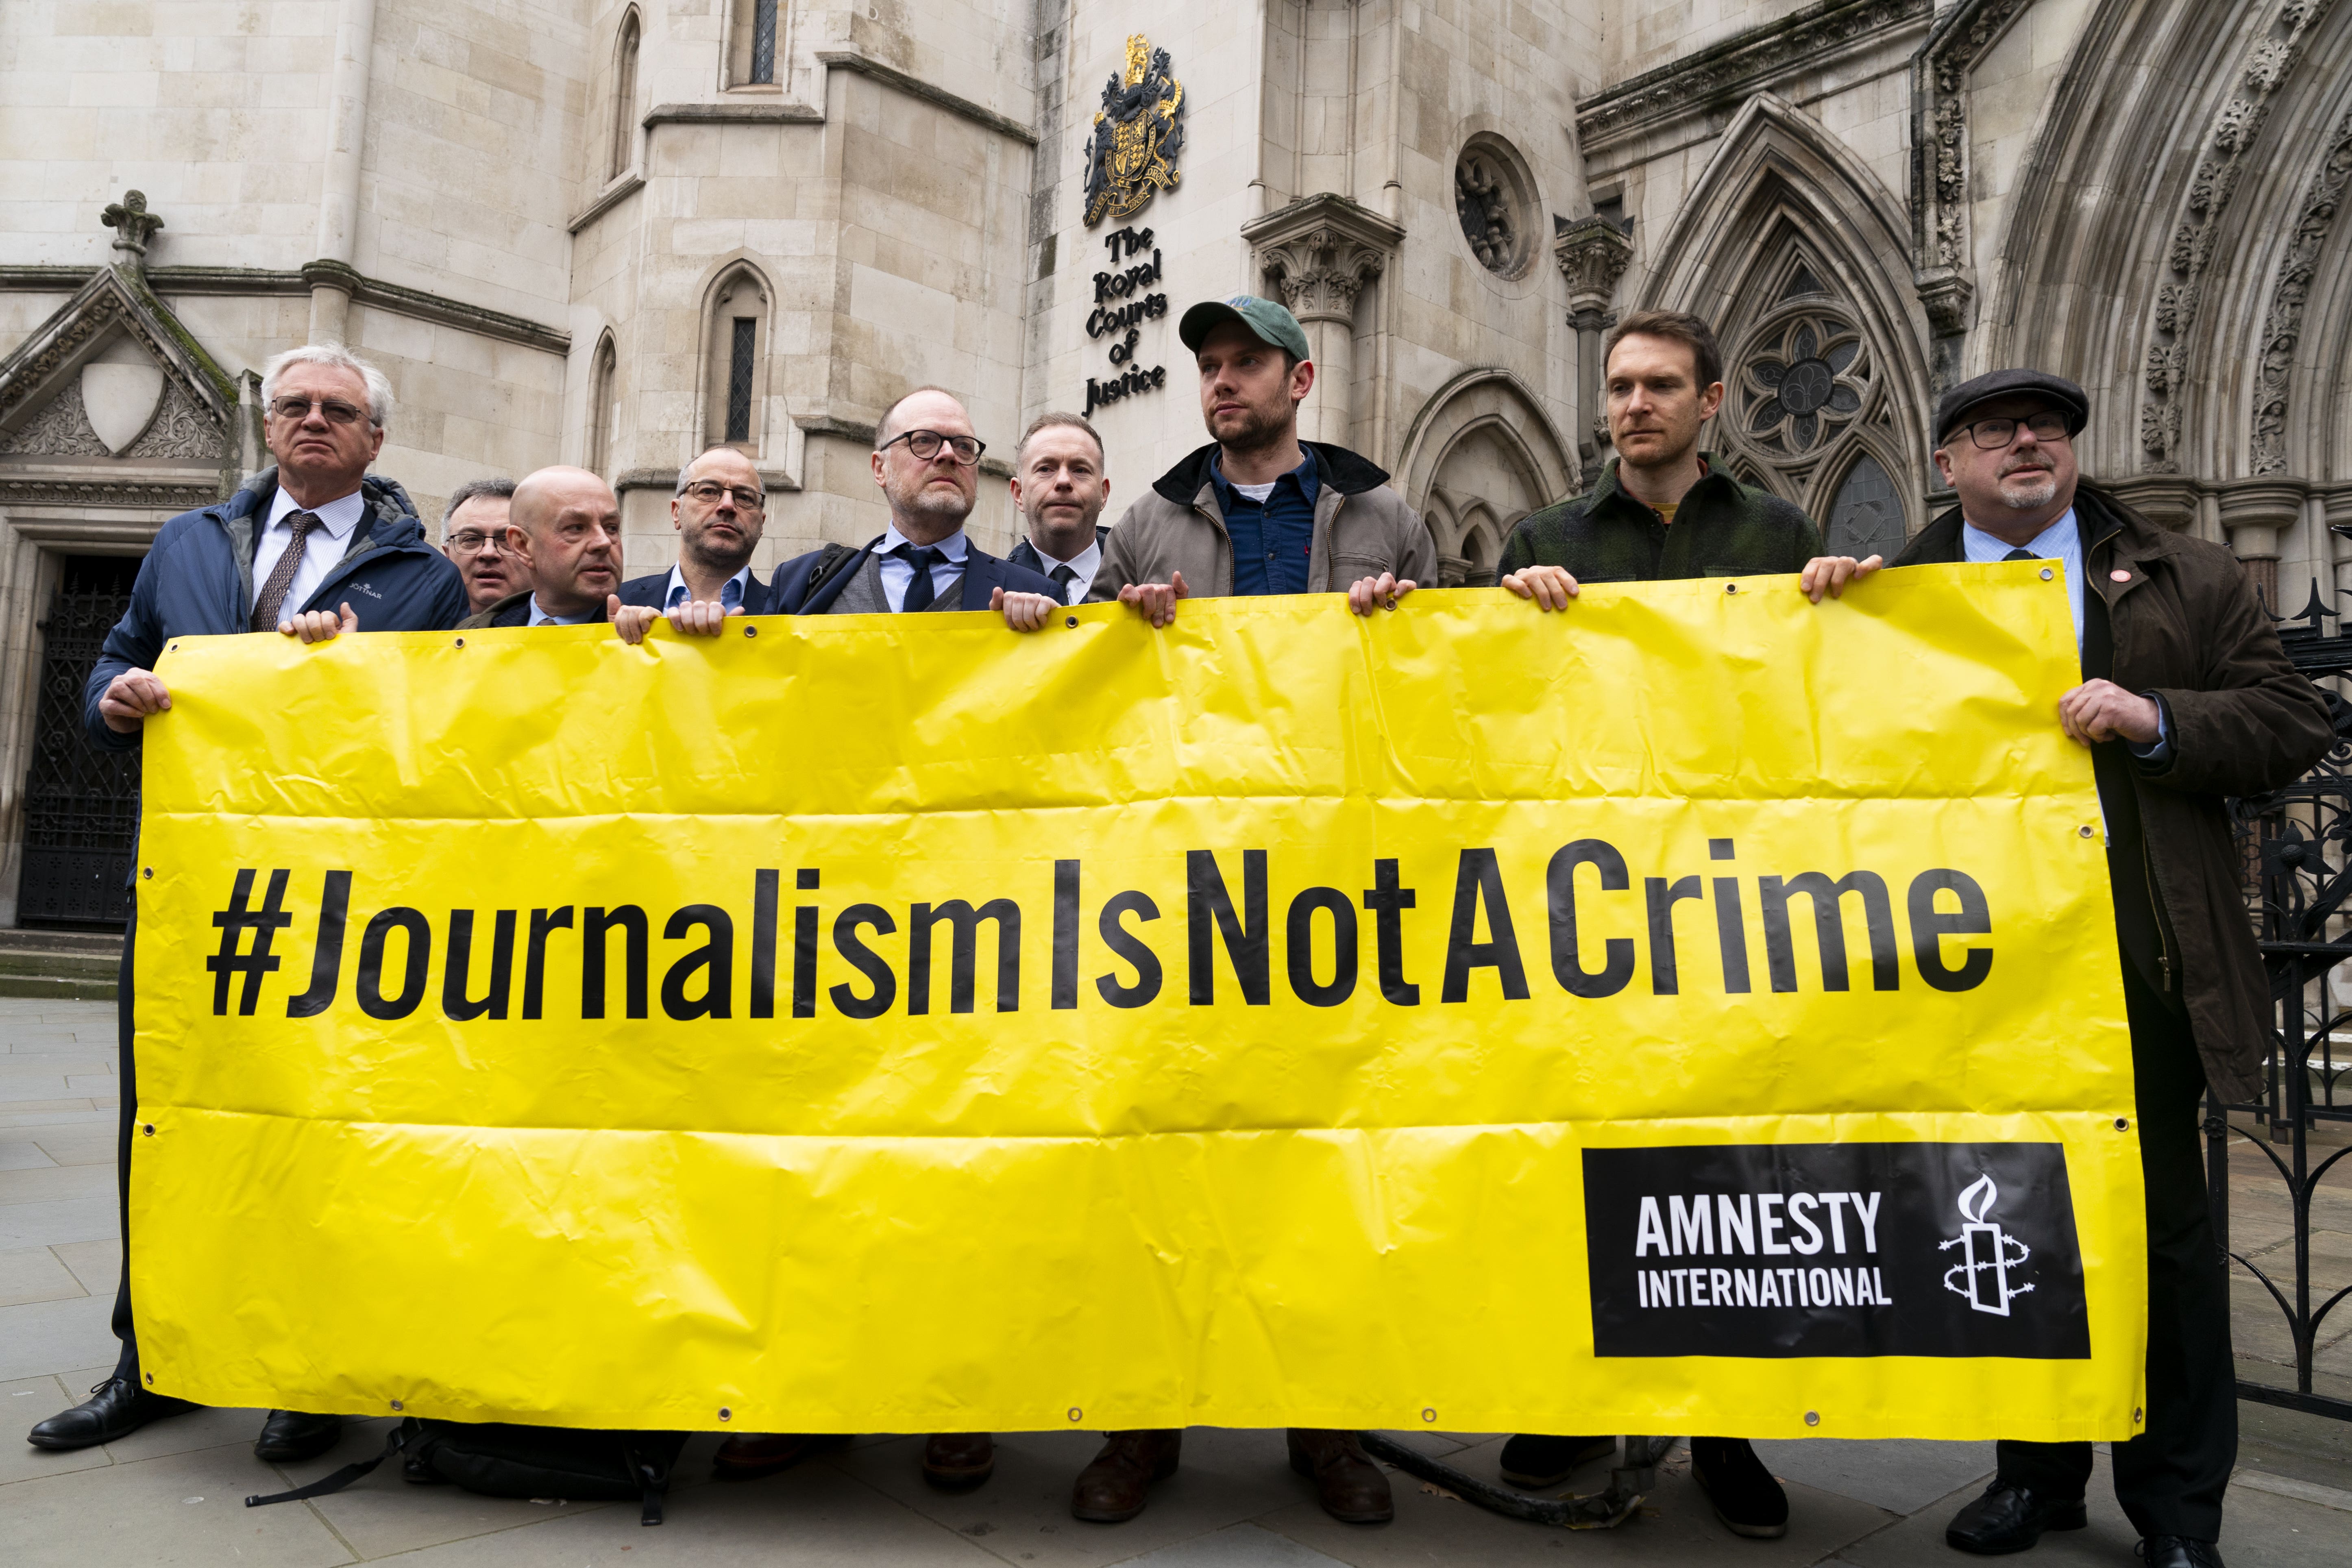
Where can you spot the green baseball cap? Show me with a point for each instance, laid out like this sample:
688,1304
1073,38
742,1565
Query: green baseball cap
1264,320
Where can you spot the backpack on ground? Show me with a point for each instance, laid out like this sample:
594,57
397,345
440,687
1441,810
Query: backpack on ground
497,1459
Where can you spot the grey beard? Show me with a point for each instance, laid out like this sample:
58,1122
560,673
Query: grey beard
2040,495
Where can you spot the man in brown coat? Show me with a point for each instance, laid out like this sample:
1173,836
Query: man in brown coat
2187,697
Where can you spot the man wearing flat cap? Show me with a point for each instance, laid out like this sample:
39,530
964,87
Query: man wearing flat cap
2187,697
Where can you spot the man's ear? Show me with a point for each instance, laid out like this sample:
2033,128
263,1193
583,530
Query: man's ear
518,543
1710,401
1943,464
1302,380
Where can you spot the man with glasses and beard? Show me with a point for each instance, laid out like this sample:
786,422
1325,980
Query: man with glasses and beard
312,546
2187,697
719,511
926,463
1257,510
474,538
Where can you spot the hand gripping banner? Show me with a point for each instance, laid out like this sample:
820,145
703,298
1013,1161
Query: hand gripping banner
1697,1011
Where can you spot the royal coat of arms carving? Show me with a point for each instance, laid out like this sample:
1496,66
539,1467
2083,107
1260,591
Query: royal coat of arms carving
1138,132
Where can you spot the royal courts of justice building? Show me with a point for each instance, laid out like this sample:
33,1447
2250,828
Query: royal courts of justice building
615,231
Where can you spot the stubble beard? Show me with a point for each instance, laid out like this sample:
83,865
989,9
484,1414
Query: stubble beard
1260,428
2033,497
942,509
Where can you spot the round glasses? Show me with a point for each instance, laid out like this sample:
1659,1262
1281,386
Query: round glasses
926,444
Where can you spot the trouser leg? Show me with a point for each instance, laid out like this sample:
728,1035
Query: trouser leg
2171,1479
127,1365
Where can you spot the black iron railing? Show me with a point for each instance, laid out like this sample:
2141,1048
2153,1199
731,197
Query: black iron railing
2298,846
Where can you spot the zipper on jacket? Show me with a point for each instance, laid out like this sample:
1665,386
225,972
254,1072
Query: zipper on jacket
2156,907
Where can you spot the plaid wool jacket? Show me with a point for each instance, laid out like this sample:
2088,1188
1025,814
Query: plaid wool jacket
1722,529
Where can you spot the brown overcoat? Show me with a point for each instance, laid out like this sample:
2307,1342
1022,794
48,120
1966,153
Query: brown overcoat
2190,631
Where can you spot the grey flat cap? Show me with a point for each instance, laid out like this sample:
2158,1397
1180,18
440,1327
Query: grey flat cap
2057,389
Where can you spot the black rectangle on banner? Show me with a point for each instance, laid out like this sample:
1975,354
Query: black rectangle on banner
1834,1249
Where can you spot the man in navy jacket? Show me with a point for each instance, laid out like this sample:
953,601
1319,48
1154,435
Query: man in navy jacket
719,510
312,547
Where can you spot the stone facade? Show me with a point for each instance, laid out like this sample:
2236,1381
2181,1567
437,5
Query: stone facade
617,233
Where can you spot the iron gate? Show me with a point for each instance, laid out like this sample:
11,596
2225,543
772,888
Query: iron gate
81,804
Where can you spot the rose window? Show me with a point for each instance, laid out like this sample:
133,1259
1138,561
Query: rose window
1803,388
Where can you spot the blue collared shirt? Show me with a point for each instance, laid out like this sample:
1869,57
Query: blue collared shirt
2062,542
540,618
1272,539
898,571
730,592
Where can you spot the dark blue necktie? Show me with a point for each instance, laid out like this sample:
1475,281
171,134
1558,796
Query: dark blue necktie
921,557
2020,555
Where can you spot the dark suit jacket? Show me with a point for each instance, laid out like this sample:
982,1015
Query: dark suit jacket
514,610
791,593
1024,553
758,597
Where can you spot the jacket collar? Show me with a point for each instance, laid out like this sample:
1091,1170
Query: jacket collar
1337,468
1716,480
391,516
2108,524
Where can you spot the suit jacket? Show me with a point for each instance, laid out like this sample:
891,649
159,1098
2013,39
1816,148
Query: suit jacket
1024,553
758,597
807,585
2185,626
514,610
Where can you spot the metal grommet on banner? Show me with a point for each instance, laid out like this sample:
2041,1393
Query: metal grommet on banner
2122,1124
1812,1417
750,631
725,1413
461,642
1731,587
151,1380
2084,831
396,1405
2138,1417
1075,1413
2047,574
1428,1414
147,1129
1069,620
148,872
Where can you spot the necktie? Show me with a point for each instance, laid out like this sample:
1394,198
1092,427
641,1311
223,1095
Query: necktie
2020,555
272,598
1062,577
919,590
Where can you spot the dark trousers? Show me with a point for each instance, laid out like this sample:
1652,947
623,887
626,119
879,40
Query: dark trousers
127,1365
2171,1477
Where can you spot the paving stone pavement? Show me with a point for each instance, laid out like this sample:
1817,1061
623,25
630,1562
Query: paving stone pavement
173,1492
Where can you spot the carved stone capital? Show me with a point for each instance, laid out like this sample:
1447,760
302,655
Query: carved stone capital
1320,252
1591,253
1951,299
133,224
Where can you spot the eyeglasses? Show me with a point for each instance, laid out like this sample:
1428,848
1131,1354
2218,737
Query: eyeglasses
1993,434
469,541
707,492
925,445
337,410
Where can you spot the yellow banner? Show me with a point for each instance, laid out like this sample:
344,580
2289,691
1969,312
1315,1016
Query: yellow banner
1695,1012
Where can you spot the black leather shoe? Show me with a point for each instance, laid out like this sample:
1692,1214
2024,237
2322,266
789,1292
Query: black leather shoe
2179,1552
1742,1491
1532,1459
2010,1518
289,1437
115,1409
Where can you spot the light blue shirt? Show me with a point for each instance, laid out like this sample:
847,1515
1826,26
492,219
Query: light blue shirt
540,618
730,592
2062,542
898,571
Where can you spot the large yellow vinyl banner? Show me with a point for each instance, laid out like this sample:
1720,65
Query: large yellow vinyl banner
1696,1011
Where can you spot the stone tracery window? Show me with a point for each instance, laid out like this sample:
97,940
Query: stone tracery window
1493,195
1804,387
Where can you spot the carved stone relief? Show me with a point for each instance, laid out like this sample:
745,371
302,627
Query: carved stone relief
60,428
2283,323
1482,201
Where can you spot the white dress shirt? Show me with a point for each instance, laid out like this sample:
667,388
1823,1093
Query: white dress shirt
322,548
678,592
898,571
1086,563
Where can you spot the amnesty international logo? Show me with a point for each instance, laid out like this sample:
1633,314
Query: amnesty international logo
1138,132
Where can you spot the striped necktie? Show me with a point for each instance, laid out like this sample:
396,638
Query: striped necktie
272,598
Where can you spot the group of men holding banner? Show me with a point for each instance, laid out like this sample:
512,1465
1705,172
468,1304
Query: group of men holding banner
2187,697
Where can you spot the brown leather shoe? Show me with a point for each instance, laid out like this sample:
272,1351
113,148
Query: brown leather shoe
1351,1488
750,1455
958,1461
1110,1490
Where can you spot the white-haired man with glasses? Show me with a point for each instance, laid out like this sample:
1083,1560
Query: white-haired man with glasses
310,547
926,462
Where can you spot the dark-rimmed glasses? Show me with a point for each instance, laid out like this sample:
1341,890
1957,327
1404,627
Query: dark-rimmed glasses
707,492
926,444
1993,434
337,410
469,541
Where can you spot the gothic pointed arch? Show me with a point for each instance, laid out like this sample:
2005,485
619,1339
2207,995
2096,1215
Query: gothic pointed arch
1481,455
604,405
621,152
1801,259
738,312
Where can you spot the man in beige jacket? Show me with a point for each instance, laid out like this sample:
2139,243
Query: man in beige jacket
1256,512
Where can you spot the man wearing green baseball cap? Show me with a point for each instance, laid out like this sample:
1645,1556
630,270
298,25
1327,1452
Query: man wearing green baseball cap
1258,510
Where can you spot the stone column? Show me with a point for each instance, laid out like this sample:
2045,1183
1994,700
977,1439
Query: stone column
329,274
2337,514
2255,514
1319,255
1592,253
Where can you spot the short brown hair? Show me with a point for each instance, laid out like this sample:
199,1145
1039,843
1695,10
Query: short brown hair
1682,327
1052,417
884,423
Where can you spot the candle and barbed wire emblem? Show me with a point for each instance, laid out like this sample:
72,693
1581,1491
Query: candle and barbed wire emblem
1985,1258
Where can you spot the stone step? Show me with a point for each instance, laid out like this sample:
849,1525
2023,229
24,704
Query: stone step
69,966
58,987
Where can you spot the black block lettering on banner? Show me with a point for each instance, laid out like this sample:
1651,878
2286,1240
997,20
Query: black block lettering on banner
714,960
1066,934
865,960
763,943
1616,953
1388,900
1130,950
965,959
1299,947
370,984
327,954
534,962
457,967
804,947
593,925
1478,879
1834,1249
1209,914
234,923
1829,928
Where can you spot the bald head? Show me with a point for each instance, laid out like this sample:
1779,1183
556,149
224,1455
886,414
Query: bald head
565,525
929,494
